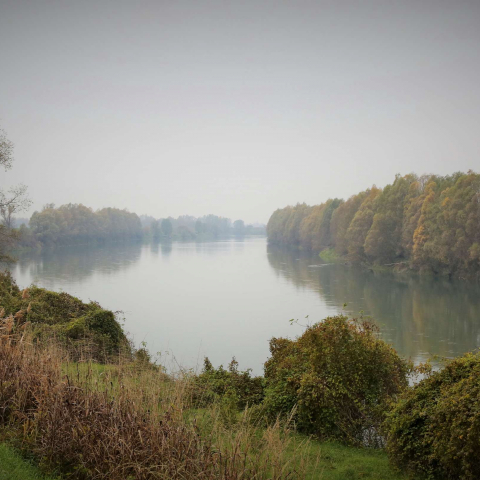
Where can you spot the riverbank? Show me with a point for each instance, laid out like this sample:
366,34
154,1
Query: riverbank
118,418
83,402
276,452
428,224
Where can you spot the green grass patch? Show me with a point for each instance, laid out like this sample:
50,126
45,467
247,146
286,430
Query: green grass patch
329,255
14,467
333,461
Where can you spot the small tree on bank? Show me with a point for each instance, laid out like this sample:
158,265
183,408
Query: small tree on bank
12,201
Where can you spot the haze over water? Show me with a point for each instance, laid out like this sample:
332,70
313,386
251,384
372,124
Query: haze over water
228,297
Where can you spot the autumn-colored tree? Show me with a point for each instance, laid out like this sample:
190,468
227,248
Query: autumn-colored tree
315,227
431,223
362,221
383,242
341,219
76,224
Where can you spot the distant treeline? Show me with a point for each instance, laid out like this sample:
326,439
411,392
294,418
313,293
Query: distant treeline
187,227
428,223
75,224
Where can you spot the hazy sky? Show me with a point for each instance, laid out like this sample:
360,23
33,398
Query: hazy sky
235,107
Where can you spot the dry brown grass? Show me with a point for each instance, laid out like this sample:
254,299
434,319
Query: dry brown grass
127,420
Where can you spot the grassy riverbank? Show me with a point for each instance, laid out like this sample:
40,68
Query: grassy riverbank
278,451
80,401
107,419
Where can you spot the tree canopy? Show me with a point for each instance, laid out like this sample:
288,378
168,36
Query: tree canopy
431,223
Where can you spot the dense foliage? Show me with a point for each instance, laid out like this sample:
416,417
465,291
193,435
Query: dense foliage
214,384
338,375
430,223
74,224
187,227
434,429
60,315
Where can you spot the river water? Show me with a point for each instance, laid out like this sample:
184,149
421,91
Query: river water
228,297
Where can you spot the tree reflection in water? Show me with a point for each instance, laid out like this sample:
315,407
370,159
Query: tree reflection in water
421,316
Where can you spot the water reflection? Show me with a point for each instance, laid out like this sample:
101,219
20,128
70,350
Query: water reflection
230,296
166,248
79,262
420,316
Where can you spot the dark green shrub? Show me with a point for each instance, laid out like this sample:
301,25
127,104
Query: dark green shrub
10,295
103,322
338,375
434,428
217,383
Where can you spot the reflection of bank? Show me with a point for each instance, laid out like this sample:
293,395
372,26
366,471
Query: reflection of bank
82,261
420,316
166,248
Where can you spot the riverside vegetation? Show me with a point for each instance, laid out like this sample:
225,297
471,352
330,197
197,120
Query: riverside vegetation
82,402
430,224
76,224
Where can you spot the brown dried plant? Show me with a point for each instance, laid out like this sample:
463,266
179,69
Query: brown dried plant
126,420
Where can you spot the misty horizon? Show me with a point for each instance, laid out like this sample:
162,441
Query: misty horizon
235,109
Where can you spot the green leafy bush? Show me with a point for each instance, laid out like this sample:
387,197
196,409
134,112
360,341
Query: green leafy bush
53,308
217,383
434,428
338,375
63,316
10,296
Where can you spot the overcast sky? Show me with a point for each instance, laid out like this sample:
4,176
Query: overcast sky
235,107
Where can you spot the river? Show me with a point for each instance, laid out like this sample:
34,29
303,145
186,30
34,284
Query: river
228,297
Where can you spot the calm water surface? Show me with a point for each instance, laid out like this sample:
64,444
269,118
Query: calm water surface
229,297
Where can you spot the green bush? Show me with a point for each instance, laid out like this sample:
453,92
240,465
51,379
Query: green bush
63,316
218,384
434,428
52,307
10,296
103,322
339,376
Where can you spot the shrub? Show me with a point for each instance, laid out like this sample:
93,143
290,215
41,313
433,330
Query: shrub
10,294
63,316
338,375
219,384
434,428
103,322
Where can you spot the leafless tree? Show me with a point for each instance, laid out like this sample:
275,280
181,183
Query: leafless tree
12,201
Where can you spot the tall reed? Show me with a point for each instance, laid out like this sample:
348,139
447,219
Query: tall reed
128,419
